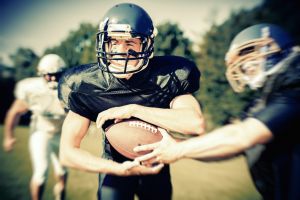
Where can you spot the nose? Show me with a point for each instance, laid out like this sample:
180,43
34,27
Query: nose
49,77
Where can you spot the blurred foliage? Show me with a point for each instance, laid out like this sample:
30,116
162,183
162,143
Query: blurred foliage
24,65
6,86
24,62
79,47
171,41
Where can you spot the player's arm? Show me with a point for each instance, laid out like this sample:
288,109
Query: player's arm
184,115
17,109
74,129
220,143
228,140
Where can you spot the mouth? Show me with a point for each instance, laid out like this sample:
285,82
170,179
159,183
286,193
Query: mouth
118,63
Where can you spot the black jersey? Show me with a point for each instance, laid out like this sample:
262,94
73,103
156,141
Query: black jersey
277,171
86,90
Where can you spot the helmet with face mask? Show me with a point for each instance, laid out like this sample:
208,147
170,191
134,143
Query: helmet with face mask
256,53
53,66
121,22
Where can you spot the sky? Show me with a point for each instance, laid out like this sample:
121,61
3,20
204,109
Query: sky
39,24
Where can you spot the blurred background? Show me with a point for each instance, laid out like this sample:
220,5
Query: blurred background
197,29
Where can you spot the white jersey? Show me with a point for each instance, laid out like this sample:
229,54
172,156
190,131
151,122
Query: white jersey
47,112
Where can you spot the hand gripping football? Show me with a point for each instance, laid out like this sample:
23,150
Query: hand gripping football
127,134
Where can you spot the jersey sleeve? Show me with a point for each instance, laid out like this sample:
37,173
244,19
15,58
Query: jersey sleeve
192,82
70,98
78,104
64,92
281,115
21,90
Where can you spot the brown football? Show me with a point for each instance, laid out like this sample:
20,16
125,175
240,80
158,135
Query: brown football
127,134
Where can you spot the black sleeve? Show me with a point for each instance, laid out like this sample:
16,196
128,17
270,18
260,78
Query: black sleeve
78,104
63,93
281,115
192,82
70,98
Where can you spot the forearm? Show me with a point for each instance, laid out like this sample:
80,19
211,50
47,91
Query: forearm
74,129
85,161
13,115
182,120
220,143
11,120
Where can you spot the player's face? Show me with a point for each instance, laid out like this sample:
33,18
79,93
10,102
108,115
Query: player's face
52,79
123,46
252,68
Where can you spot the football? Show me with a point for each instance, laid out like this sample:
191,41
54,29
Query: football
127,134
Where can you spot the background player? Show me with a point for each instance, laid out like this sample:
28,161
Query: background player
39,95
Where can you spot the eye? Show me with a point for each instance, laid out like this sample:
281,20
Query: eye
113,42
130,43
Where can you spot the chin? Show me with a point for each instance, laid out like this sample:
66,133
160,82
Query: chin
52,85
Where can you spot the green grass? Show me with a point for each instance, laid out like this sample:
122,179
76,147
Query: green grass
192,180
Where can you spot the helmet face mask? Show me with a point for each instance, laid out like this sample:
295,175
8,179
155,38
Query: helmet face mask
120,25
246,64
52,79
252,55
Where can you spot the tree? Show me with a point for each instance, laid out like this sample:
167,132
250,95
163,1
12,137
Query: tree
78,48
171,41
24,62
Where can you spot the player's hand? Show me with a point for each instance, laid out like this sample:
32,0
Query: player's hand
164,151
131,168
116,113
8,143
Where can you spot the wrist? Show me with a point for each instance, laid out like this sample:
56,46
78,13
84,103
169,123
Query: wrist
8,136
112,167
181,151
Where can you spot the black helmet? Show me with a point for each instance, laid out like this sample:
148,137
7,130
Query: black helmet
125,21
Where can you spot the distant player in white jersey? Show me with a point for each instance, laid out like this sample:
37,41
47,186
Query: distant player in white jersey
39,95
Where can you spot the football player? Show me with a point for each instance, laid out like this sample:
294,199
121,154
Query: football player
127,82
39,95
261,56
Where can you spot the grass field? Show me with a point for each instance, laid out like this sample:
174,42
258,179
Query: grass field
192,180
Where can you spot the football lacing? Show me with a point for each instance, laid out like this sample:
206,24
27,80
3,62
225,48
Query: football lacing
143,125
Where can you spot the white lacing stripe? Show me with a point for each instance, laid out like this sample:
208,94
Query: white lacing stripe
143,125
